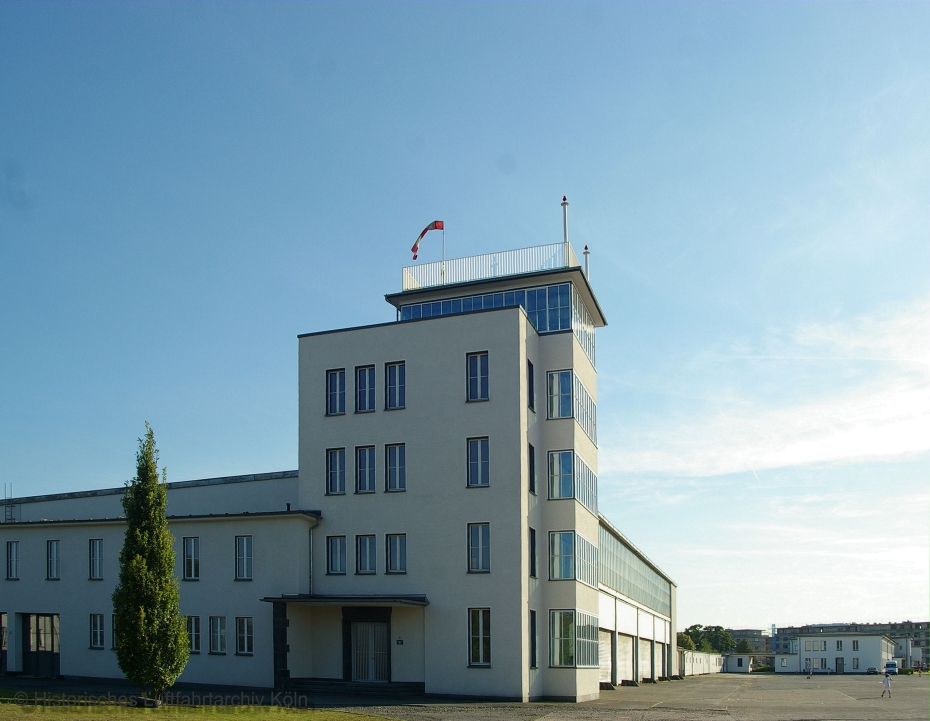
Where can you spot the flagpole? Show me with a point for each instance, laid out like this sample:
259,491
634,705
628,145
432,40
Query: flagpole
442,266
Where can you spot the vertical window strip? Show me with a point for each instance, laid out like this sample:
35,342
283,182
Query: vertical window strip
365,469
586,641
532,552
583,326
479,630
365,389
479,547
191,559
193,633
96,630
12,560
477,380
562,638
53,560
479,465
585,485
585,411
534,641
585,561
217,634
336,392
396,467
95,559
531,467
336,471
243,558
396,386
530,386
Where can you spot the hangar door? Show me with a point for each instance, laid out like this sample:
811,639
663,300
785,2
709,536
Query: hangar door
606,655
624,658
645,659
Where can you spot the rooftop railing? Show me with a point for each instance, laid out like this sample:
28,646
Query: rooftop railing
490,265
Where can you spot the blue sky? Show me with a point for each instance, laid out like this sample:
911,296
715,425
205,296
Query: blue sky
186,187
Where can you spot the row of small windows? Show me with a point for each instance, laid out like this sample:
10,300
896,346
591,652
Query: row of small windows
190,559
821,645
549,308
573,641
571,555
395,463
395,389
820,663
245,639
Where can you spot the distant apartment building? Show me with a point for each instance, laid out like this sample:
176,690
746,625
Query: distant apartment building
759,641
908,636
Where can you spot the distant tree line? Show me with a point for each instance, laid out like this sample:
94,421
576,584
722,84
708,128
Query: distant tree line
709,639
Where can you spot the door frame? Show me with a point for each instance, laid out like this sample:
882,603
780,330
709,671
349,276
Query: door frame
376,614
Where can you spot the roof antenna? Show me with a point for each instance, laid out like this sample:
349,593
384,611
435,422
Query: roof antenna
565,219
587,252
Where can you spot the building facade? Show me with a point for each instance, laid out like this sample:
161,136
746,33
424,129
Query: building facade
445,530
910,635
835,653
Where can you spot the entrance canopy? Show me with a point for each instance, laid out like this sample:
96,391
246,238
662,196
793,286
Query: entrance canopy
360,600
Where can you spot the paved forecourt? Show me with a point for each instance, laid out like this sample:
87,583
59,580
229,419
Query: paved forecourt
761,697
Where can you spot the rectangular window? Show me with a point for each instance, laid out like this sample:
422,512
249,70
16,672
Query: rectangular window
243,635
561,555
365,469
479,547
395,386
479,466
336,554
12,560
336,392
96,630
396,457
396,545
560,474
560,394
739,662
823,663
531,464
855,645
335,471
839,645
807,645
191,559
193,633
365,389
855,664
784,662
823,645
534,642
530,386
53,560
217,634
477,385
573,639
479,632
532,549
365,557
243,558
95,559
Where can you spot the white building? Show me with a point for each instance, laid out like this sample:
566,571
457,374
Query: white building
835,653
699,663
442,530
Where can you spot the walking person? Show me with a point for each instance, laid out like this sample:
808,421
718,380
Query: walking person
886,685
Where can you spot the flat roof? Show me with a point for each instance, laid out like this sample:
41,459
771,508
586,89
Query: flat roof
358,600
316,515
252,477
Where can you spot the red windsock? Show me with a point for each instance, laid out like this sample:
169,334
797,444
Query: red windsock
435,225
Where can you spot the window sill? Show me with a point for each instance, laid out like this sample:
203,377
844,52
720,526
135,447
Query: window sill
334,415
94,579
359,493
395,573
12,579
216,653
479,665
365,573
479,572
363,412
395,490
477,400
53,579
335,493
244,654
335,573
191,579
398,408
476,485
242,579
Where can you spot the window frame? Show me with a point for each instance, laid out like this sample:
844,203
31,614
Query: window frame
483,547
401,540
531,467
338,395
53,561
560,477
560,395
190,562
395,476
12,560
245,636
244,569
217,632
483,636
553,557
338,474
370,469
482,466
331,543
531,548
193,633
399,386
368,404
371,541
94,560
581,647
97,632
530,385
482,391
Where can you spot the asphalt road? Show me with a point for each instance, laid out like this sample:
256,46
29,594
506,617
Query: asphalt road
762,697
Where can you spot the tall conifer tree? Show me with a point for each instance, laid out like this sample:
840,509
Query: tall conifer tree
152,647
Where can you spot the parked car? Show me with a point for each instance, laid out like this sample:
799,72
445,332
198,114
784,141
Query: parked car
872,670
891,667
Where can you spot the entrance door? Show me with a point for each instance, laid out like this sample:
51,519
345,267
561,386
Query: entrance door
40,645
840,665
370,651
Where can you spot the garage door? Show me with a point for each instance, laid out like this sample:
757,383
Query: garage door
624,658
645,658
604,648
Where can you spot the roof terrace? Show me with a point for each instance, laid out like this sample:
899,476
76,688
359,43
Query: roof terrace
490,265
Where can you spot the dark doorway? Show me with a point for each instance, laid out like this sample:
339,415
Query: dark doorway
840,665
366,638
41,656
